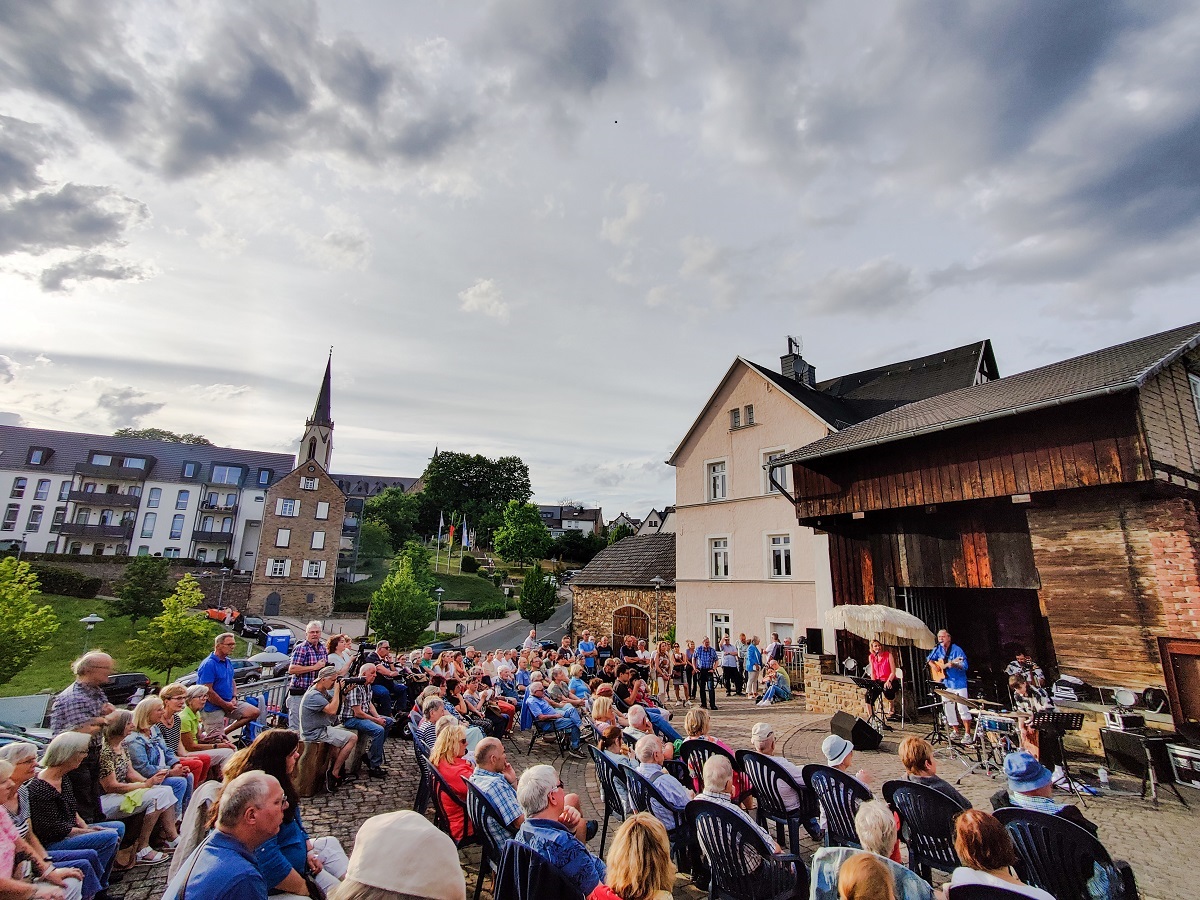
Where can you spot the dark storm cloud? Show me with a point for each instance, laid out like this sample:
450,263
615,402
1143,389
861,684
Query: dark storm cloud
874,287
88,267
127,406
78,216
73,52
355,74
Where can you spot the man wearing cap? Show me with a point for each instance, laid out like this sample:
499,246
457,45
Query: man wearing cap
308,658
541,710
549,828
1030,786
359,714
319,723
762,739
404,853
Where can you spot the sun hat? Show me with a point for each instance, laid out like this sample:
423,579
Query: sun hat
836,748
326,672
761,731
1025,773
430,869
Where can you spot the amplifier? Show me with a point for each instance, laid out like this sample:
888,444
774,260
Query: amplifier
1185,761
1123,721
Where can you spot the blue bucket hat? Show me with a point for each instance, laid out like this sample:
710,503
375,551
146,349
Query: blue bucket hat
1025,773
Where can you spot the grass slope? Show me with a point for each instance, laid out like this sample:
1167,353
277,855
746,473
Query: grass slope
52,668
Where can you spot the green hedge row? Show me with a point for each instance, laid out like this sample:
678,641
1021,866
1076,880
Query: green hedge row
483,611
68,582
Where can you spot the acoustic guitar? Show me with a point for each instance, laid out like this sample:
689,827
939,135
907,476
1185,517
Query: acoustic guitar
937,670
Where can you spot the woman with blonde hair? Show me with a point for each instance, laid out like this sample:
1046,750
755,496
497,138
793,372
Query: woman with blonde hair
695,726
448,757
174,700
52,886
865,876
149,753
639,862
604,713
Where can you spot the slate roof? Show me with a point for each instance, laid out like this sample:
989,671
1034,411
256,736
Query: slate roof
370,485
631,562
71,448
831,409
1123,367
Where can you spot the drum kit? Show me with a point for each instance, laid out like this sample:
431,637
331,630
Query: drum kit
996,734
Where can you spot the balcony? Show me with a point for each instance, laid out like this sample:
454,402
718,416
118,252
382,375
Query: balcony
122,530
116,473
94,498
212,537
218,507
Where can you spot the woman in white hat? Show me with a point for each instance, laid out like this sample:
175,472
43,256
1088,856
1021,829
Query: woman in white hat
431,869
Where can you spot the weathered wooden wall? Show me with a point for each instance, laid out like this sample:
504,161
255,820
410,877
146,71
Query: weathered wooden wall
1169,416
1085,444
1118,571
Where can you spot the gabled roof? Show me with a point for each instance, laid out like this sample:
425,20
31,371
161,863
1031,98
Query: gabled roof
832,410
631,562
1111,370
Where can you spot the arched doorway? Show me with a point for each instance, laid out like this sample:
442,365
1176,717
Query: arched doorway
630,620
272,606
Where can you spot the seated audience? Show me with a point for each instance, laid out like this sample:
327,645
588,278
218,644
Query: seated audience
639,862
51,884
432,709
718,779
876,827
549,828
431,869
359,714
542,711
864,877
448,757
42,862
223,868
195,741
285,858
127,793
82,706
615,748
149,753
988,856
319,710
497,780
52,812
603,711
641,725
696,725
839,754
1030,786
340,654
650,753
762,739
577,686
916,755
173,699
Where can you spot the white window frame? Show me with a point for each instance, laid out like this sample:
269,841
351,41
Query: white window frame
748,415
322,510
283,537
710,476
767,454
287,507
176,533
307,483
314,568
318,540
278,567
735,418
725,626
1195,382
719,543
149,522
784,547
42,491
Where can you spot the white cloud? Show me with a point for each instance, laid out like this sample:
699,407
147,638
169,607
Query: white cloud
218,393
485,297
638,200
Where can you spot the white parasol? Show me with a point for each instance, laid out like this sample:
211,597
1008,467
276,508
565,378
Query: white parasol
886,624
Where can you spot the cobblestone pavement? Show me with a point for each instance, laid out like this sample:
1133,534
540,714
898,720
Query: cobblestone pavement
1156,842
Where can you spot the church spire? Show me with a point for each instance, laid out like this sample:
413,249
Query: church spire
321,412
317,442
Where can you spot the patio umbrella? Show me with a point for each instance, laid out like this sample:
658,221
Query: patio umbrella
886,624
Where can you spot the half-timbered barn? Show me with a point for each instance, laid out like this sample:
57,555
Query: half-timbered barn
1054,509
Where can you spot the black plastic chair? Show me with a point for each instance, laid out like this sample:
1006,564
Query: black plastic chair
695,752
443,795
525,874
742,865
1060,857
982,892
840,796
424,787
483,813
926,825
608,773
642,793
767,777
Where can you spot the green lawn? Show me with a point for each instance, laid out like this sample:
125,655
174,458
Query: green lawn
52,668
470,587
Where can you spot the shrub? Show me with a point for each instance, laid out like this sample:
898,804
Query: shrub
483,611
468,564
68,582
497,579
482,573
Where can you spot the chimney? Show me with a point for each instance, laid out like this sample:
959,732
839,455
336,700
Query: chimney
793,366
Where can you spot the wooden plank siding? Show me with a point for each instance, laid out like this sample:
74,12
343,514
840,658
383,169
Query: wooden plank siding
1169,416
1085,444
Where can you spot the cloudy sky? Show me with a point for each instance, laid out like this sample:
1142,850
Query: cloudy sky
547,228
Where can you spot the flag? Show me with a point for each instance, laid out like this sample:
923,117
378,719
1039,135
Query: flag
466,535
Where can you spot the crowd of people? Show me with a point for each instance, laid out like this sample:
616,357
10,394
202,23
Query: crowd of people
167,782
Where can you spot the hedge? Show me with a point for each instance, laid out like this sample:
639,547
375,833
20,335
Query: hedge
351,604
68,582
468,564
485,611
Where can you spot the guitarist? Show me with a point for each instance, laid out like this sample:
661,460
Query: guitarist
948,665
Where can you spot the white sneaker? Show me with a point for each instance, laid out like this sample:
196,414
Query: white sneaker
763,703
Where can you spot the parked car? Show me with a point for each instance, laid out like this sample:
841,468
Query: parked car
544,645
244,671
441,646
121,687
250,626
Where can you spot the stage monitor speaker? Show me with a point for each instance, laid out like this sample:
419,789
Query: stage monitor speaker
856,731
814,641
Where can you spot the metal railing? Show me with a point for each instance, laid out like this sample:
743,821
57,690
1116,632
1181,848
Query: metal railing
269,693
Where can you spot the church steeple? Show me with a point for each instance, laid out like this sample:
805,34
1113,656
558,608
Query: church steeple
317,443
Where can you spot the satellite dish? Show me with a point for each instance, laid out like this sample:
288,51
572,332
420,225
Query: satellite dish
1125,697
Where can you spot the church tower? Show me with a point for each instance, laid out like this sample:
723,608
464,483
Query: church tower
317,443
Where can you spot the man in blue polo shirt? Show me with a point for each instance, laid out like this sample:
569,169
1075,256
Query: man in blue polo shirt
541,710
950,659
549,829
587,652
216,673
223,868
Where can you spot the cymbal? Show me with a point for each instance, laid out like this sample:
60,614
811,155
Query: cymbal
969,702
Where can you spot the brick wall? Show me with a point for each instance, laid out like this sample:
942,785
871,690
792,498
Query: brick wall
827,693
594,607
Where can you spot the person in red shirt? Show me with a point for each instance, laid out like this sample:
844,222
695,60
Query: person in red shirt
449,758
883,674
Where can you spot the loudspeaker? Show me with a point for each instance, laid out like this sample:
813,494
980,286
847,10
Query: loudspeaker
856,731
814,640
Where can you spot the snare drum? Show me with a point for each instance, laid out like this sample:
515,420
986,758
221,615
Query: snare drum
995,723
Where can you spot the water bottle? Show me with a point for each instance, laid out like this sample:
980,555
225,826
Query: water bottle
1102,774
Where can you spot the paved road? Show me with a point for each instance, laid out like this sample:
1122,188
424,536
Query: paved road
512,635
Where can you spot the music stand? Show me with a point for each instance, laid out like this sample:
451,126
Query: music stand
1057,723
876,719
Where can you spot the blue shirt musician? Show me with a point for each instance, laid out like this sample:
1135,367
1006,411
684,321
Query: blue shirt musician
948,665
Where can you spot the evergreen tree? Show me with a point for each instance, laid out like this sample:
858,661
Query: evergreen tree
621,531
538,600
177,635
400,609
26,629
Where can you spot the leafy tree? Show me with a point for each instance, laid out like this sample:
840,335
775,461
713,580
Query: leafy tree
538,599
577,546
523,536
374,541
26,629
143,585
621,531
397,511
161,434
400,609
175,636
418,561
473,485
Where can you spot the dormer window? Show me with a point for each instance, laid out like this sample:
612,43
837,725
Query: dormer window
191,469
39,456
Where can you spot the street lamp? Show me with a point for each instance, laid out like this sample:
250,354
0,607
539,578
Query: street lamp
658,581
438,626
91,621
21,546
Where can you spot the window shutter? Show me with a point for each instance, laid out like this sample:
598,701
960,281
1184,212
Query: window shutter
279,506
322,573
296,509
267,571
287,568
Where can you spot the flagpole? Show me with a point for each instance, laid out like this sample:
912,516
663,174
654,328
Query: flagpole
462,543
438,552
